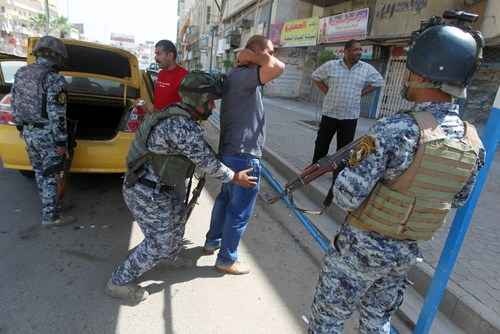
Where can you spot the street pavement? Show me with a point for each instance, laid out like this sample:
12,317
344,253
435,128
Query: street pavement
291,134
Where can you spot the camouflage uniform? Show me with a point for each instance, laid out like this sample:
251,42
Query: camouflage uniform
161,215
366,270
43,141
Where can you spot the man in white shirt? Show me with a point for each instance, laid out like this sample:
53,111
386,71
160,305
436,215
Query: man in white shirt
343,81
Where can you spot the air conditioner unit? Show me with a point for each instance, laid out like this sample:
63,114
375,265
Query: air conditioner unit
246,24
234,39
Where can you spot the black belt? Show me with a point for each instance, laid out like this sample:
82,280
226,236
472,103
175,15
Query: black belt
36,125
153,185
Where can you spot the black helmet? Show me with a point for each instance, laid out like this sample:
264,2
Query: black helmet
446,53
51,44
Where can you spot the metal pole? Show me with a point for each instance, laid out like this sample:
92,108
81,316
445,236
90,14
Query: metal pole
47,14
212,30
459,227
320,238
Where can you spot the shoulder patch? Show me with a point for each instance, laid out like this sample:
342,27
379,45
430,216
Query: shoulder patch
62,98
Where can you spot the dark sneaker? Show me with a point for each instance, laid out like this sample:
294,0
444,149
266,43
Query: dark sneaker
209,249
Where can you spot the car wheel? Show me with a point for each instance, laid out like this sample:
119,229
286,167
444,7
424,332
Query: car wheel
27,173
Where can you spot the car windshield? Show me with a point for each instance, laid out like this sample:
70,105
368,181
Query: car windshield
97,86
9,68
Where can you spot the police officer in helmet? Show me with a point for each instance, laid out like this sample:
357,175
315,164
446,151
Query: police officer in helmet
161,162
426,161
39,110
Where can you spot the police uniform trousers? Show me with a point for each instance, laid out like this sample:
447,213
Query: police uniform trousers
161,219
363,271
43,155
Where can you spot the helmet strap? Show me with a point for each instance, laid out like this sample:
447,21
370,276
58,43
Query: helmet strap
422,85
207,112
191,110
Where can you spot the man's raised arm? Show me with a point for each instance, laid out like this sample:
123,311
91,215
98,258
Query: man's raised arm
270,66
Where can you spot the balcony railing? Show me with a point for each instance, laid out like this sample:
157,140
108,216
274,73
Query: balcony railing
325,3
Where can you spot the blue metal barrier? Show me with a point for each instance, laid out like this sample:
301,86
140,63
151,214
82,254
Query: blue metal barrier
320,238
459,227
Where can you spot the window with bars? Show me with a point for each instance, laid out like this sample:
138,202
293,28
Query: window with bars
209,13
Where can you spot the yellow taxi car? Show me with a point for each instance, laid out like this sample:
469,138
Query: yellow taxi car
103,82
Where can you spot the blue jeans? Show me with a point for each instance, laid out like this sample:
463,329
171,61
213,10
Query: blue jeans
232,210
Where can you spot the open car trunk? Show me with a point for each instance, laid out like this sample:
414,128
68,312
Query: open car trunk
97,119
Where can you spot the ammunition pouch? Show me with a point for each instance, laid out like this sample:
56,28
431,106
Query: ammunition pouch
135,170
175,171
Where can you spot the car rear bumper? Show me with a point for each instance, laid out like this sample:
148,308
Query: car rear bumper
91,156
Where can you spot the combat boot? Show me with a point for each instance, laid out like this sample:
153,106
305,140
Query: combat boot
209,249
65,208
130,292
61,221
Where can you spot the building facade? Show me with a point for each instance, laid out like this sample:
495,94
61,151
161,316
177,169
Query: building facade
306,33
16,23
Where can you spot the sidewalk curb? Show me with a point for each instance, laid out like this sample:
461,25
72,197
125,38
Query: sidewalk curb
457,305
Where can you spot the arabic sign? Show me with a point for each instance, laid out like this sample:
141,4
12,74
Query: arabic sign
343,27
303,32
367,53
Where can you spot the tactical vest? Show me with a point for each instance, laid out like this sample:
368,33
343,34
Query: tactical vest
174,170
414,206
31,94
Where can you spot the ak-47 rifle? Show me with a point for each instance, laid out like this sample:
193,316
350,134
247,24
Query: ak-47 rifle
63,175
194,197
349,155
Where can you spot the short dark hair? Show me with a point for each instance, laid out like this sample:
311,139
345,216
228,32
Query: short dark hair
350,43
167,46
257,41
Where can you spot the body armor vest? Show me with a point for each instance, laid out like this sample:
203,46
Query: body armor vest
174,170
30,100
414,205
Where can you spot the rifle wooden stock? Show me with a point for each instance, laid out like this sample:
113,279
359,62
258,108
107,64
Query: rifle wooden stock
194,197
63,175
350,155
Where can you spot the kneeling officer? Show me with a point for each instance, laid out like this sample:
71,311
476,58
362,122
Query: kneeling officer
161,162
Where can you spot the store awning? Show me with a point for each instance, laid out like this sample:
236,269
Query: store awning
325,3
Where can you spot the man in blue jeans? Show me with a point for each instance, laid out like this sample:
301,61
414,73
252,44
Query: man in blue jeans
241,143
